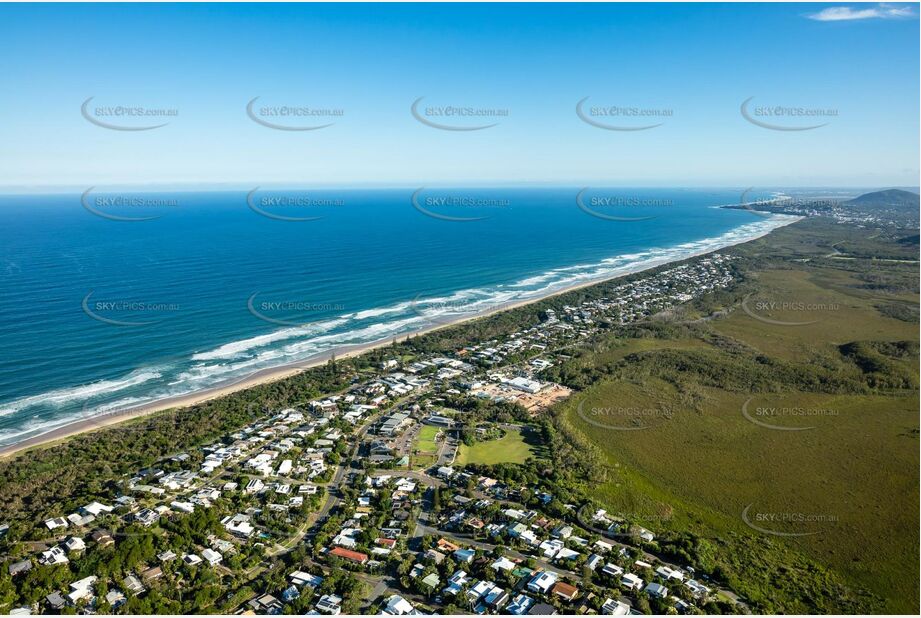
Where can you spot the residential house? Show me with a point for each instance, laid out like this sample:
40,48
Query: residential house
152,574
81,590
542,581
102,538
211,557
612,570
300,578
265,605
18,568
329,604
613,607
398,606
464,556
56,522
656,591
347,554
115,598
631,581
565,591
53,556
520,605
133,585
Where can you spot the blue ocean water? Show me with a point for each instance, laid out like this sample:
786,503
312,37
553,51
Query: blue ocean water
110,299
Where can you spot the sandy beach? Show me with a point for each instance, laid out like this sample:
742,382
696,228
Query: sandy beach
281,372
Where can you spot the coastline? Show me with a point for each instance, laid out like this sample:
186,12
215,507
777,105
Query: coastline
272,374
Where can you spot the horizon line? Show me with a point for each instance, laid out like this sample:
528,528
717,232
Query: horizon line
195,187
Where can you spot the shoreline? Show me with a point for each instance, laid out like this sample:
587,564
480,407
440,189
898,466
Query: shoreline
273,374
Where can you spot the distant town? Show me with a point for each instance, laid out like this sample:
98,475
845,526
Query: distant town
888,208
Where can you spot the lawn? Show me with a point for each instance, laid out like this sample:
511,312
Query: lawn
425,448
426,440
511,448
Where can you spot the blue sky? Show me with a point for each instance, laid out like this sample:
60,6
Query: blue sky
698,61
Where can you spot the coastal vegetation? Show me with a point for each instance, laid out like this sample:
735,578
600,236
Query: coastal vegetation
803,329
844,380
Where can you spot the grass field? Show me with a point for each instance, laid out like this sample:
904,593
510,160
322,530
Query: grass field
425,450
510,448
426,440
687,454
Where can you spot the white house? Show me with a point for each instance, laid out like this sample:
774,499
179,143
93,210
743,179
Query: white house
81,589
182,507
542,581
56,522
398,606
614,608
212,557
503,564
631,581
329,604
55,555
95,509
300,578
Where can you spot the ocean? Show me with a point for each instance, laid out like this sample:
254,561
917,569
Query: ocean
111,299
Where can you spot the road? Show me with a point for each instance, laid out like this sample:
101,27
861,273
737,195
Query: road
352,461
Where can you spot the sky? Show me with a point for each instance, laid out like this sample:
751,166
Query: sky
854,68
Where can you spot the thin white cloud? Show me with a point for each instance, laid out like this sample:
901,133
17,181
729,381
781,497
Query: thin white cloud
846,13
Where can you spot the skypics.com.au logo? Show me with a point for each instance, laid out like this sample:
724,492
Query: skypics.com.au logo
457,117
126,117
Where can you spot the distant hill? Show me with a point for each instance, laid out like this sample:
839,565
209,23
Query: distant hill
889,198
890,208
